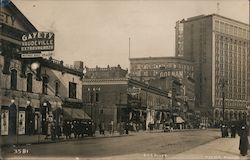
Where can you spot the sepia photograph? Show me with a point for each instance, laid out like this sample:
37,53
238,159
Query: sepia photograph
124,79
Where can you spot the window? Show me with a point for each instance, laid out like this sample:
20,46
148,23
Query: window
97,97
45,85
29,82
56,88
72,90
13,79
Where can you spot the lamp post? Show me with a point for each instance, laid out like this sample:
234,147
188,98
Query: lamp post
223,83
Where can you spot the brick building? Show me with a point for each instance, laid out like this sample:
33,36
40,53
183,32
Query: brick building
144,69
123,100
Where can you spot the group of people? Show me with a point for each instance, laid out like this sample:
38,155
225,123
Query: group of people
225,130
242,129
78,128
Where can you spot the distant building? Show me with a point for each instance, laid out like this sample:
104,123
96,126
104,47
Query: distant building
111,95
108,72
218,46
145,69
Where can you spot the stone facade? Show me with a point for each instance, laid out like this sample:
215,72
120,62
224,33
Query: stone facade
219,48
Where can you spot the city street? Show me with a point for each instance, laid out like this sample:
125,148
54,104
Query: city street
142,143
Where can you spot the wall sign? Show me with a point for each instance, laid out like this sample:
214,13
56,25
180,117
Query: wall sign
37,42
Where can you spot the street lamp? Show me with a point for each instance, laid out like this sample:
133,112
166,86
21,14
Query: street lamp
223,83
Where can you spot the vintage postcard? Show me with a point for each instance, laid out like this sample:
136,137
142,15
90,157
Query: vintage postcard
124,79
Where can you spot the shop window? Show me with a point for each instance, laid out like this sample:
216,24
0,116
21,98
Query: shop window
29,82
72,90
97,97
13,79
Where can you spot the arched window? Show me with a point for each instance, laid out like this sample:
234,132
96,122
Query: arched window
56,88
13,79
29,82
45,85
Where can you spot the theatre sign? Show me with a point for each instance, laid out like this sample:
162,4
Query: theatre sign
34,43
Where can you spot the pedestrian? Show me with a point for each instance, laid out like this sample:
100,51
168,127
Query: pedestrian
53,131
233,130
226,130
67,129
126,128
102,128
243,133
111,127
223,130
74,129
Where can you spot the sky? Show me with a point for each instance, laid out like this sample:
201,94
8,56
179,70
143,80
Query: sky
97,32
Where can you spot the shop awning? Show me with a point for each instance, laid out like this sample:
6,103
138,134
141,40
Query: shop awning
179,120
74,113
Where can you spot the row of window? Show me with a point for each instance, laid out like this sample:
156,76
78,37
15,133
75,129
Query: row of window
230,103
158,66
230,29
45,82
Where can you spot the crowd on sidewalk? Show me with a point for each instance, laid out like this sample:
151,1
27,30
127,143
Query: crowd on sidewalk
242,129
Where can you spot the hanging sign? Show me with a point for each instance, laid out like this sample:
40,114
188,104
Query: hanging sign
37,42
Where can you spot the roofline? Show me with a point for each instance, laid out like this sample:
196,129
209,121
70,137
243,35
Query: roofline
214,14
29,26
147,58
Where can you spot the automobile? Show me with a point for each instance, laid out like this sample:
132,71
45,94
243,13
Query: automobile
88,127
167,127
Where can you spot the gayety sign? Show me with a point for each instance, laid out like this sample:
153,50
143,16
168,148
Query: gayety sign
37,42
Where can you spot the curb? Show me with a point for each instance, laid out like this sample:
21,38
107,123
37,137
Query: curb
94,137
64,140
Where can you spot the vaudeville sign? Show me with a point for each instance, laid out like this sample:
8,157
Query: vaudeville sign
37,41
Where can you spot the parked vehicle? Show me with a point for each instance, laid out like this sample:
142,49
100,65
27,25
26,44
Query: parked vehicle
88,127
167,127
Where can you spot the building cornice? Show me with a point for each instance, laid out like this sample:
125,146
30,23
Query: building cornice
105,81
213,15
161,58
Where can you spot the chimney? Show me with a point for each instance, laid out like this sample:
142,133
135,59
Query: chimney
78,65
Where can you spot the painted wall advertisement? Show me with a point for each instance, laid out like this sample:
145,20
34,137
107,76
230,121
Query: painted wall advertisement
4,122
21,122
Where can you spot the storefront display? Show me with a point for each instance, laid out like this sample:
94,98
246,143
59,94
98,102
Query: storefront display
4,122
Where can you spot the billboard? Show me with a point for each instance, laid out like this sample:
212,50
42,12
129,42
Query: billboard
21,122
37,42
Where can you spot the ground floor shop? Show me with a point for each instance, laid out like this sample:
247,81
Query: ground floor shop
33,114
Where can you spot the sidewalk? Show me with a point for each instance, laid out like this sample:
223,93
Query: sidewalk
40,139
222,148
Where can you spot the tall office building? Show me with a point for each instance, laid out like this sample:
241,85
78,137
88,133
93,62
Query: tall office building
219,49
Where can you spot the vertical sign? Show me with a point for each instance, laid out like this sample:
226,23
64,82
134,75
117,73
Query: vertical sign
4,122
21,122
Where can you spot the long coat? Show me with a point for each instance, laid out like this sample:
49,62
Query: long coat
243,140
